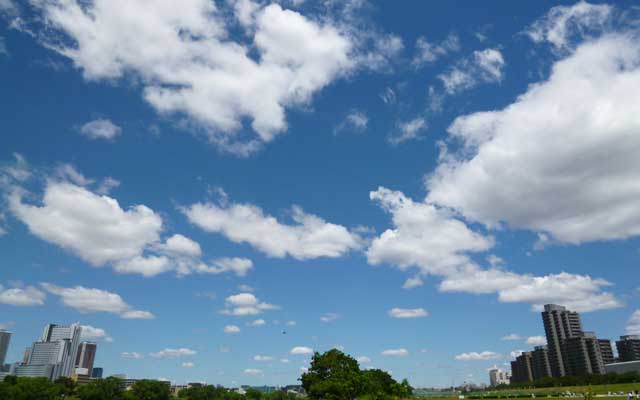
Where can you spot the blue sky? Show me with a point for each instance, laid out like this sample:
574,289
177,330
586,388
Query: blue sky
409,183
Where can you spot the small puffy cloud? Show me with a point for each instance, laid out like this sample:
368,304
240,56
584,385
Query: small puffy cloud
388,96
243,304
483,66
173,353
633,325
515,353
475,356
285,360
92,333
407,312
396,352
291,323
237,265
257,322
89,300
356,122
132,355
232,329
512,336
562,25
100,129
308,237
245,288
253,372
262,358
301,350
413,282
22,296
408,130
427,53
536,340
182,245
188,364
330,317
363,360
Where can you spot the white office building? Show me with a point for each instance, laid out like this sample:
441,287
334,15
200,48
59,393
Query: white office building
54,355
499,377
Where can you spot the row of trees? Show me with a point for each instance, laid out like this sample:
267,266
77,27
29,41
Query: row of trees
331,376
337,376
605,379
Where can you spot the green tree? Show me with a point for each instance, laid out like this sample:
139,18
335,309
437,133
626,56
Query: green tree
146,389
66,385
332,376
253,394
101,389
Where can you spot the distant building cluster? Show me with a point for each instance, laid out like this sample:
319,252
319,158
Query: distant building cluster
499,377
58,353
570,351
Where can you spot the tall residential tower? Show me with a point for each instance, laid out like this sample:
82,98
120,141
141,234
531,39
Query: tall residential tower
559,324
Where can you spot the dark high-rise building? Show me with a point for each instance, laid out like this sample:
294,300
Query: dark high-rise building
540,362
522,368
5,339
96,372
86,356
559,324
629,348
606,350
581,355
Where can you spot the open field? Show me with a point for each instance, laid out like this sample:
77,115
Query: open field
598,390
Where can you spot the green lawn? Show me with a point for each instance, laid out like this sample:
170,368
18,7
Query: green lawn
540,392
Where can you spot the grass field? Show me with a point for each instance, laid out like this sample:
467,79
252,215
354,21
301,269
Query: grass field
554,391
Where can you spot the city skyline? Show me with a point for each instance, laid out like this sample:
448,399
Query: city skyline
217,191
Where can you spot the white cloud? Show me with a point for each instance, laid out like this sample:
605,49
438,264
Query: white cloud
423,235
262,358
202,73
22,296
257,322
407,312
413,282
432,239
330,317
563,24
512,336
93,227
301,350
92,333
243,304
291,323
100,129
356,122
245,288
182,245
285,360
408,130
483,66
388,96
427,53
88,300
70,173
173,353
253,372
146,266
536,340
188,364
232,329
363,360
395,352
552,148
132,355
237,265
515,353
309,237
474,356
633,325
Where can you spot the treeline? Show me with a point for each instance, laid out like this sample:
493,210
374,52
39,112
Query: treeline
111,389
605,379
